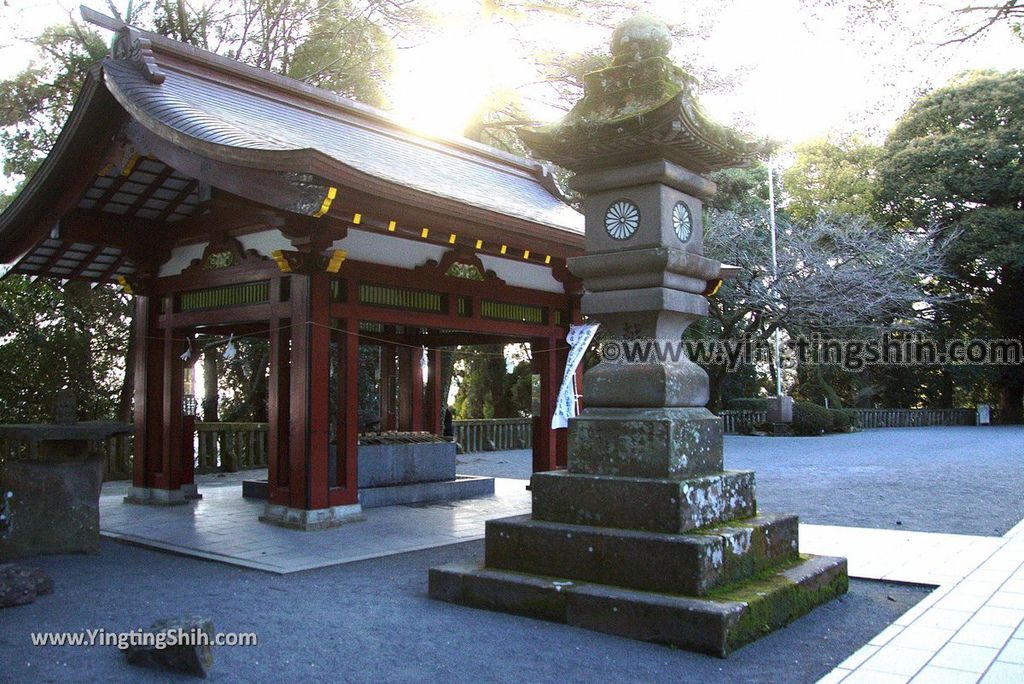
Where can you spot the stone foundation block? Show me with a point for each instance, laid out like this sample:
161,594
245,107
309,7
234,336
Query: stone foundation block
652,443
717,625
653,505
316,519
690,564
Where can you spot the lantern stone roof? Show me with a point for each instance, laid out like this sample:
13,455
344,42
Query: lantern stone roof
194,104
641,107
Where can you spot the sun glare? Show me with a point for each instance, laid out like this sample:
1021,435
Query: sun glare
439,85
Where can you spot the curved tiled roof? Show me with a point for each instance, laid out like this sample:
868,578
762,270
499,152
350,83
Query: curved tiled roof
202,101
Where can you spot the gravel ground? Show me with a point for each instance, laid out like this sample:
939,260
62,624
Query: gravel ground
961,480
371,621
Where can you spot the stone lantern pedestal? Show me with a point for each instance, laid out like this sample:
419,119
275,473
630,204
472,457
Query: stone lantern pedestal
54,502
645,535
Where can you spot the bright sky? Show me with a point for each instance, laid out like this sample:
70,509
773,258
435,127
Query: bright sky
798,72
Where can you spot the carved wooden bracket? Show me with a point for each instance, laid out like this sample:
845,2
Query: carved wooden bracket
223,252
313,236
460,263
560,272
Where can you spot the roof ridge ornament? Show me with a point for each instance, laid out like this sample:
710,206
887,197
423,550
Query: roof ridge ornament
131,46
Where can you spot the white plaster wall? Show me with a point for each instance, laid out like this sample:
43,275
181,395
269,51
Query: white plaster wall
522,274
265,242
181,258
388,249
376,248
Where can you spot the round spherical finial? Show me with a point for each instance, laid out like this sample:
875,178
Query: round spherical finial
641,37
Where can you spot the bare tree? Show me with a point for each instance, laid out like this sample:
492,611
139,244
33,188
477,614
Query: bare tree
838,276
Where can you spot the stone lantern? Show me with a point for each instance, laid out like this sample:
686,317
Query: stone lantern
645,535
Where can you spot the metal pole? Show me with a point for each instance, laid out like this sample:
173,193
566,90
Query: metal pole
775,278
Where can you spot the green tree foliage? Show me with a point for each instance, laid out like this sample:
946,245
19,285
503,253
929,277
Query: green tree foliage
833,177
486,387
341,45
955,162
35,102
54,337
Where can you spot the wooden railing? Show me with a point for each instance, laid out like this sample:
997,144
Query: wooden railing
117,453
228,447
735,421
891,418
495,434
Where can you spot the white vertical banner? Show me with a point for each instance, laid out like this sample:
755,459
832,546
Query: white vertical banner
579,338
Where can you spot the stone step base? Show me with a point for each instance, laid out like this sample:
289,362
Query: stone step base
690,564
636,503
462,487
718,625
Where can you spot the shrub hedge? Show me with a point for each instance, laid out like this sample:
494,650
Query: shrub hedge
811,419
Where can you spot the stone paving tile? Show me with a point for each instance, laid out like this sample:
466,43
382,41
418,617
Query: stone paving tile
944,619
858,657
1004,673
1013,652
897,660
942,675
965,657
886,635
991,615
1005,599
834,677
921,636
971,628
870,677
978,634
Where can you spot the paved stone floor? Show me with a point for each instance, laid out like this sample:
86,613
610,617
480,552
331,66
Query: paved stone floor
222,526
969,630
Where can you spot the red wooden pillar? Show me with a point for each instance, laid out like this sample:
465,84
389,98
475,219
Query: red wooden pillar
345,489
404,379
435,403
545,362
172,452
388,379
148,361
562,435
308,395
162,472
416,390
278,395
188,454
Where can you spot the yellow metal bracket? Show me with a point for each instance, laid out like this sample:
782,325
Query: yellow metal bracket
335,261
282,261
331,194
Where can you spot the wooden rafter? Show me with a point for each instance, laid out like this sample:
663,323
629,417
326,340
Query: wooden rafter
109,193
85,263
148,193
177,201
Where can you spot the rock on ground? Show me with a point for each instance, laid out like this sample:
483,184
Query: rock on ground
180,655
